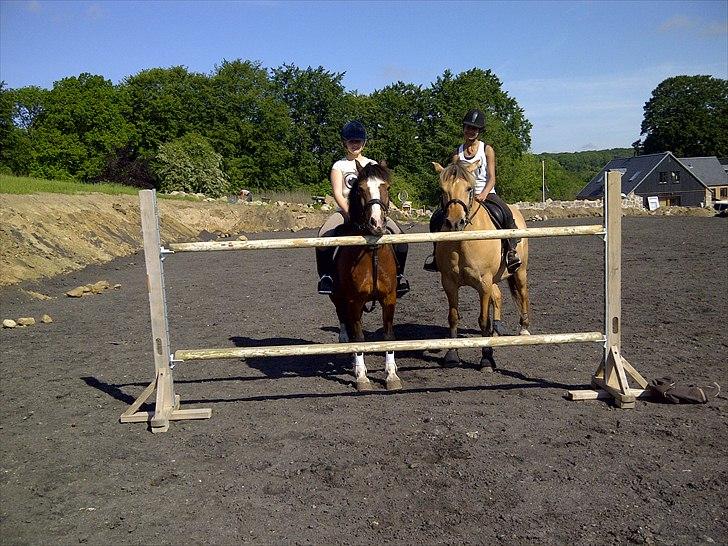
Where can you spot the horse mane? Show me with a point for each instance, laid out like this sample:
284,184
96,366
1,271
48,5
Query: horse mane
457,170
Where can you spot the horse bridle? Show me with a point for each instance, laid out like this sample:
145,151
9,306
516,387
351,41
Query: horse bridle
466,208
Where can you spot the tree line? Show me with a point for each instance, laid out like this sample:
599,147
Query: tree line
247,126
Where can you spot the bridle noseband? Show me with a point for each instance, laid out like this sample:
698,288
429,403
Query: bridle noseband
466,208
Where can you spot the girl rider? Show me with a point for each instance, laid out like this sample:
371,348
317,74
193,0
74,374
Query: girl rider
343,175
472,149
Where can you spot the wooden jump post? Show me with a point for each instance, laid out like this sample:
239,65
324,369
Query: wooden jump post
610,379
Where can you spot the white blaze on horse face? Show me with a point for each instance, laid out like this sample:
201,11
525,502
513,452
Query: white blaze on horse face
374,185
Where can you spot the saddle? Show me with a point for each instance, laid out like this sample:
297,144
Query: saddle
496,214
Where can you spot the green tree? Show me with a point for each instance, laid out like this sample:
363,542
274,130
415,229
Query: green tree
190,164
19,108
165,104
316,103
250,127
687,115
81,121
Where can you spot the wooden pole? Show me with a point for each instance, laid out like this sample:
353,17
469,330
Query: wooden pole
611,375
166,406
384,346
356,240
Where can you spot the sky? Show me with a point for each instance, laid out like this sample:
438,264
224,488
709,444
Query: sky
582,71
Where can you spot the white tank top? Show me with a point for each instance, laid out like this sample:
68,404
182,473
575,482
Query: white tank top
481,173
349,172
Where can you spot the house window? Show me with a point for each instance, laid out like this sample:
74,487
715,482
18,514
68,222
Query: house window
675,177
663,177
724,193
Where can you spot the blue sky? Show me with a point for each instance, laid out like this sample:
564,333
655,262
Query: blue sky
582,71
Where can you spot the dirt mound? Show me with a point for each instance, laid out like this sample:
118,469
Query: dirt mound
42,235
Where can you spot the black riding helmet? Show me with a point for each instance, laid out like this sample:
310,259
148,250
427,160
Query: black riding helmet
476,118
353,130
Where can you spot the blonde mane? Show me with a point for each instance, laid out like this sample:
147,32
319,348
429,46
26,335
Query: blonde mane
458,170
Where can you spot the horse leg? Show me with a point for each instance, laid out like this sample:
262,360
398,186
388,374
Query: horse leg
451,289
360,369
342,314
497,305
487,362
393,381
518,283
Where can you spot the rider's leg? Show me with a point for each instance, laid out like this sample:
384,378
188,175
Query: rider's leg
513,260
325,255
435,225
400,253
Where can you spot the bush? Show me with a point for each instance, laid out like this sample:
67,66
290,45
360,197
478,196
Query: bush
190,164
122,167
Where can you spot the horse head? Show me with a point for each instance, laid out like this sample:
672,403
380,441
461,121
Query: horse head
457,182
369,198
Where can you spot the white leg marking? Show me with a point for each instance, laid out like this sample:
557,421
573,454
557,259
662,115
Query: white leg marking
389,365
360,370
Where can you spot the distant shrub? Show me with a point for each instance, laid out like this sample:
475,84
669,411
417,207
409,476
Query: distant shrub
190,164
122,167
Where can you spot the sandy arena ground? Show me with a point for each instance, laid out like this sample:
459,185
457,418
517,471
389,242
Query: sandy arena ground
293,455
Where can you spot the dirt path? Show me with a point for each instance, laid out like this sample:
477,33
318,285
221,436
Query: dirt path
293,455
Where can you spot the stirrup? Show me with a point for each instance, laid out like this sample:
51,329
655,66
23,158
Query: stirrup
403,286
430,264
326,285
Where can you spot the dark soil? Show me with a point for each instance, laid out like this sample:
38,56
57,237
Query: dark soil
292,454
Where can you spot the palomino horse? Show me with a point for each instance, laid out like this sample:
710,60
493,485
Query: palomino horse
480,263
367,273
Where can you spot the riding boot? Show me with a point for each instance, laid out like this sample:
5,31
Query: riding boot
325,268
400,253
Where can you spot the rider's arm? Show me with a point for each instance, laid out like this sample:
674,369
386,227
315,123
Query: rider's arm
490,184
337,185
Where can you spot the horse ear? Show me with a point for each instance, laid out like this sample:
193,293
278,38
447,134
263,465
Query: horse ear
358,166
438,168
384,164
473,166
454,159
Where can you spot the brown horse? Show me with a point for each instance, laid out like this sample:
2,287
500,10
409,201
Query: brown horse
366,274
480,263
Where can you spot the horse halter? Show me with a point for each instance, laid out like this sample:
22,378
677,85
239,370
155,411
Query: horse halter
466,208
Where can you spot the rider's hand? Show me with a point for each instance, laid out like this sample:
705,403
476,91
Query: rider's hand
481,197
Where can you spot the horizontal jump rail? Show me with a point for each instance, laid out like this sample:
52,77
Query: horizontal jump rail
359,240
383,346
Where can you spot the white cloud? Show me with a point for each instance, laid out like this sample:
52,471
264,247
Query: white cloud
33,5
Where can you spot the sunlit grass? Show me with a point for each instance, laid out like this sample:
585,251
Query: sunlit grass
26,185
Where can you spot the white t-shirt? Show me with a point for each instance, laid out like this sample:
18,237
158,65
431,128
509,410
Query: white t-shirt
481,173
347,167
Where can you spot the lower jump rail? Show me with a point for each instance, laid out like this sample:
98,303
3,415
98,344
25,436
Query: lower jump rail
384,346
358,240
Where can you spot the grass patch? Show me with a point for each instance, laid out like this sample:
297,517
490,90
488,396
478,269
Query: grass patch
20,185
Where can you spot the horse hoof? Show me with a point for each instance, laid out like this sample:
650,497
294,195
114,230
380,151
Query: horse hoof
525,332
452,358
394,384
363,385
487,365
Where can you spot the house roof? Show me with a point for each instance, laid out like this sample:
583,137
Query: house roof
708,169
634,170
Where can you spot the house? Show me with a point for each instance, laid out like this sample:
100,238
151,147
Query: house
654,175
712,173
